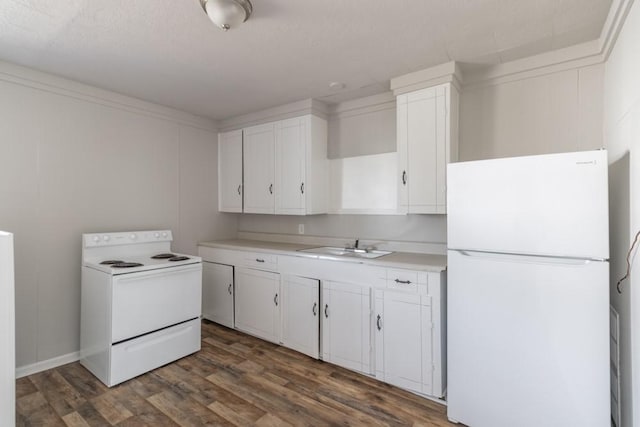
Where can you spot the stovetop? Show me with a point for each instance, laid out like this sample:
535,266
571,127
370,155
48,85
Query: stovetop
132,264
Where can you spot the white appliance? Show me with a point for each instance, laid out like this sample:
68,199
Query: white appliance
7,332
528,291
141,304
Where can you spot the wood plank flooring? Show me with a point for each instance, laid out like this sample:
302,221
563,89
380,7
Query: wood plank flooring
235,380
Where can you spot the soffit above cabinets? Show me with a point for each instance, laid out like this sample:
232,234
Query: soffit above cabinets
169,52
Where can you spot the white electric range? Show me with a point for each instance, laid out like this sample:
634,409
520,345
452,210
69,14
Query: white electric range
141,304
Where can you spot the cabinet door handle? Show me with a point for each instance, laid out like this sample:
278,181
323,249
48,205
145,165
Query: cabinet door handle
314,309
239,187
404,177
302,188
275,300
229,289
259,260
326,313
404,282
378,323
270,188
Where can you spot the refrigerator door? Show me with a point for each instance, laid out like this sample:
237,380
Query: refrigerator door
554,205
528,341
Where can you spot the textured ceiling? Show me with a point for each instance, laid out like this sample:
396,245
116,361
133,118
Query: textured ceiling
167,51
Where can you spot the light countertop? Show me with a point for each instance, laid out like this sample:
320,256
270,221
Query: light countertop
414,261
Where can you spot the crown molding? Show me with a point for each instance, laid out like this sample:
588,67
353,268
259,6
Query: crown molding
281,112
369,104
45,82
577,56
613,25
449,72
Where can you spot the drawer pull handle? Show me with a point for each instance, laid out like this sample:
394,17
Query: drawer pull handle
259,260
229,289
315,309
275,300
326,313
404,282
378,324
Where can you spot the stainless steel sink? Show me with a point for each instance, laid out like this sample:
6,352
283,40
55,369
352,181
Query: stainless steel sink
346,253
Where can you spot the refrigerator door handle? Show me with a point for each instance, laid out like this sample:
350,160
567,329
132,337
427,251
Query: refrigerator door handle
532,259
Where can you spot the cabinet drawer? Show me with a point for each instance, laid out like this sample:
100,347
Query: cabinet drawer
402,280
260,261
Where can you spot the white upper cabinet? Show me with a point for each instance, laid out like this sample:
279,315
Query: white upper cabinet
230,171
259,169
427,122
285,168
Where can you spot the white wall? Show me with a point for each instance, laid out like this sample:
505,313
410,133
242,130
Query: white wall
555,112
76,159
622,139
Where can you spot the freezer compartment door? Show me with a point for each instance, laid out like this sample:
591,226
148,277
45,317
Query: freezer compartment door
528,341
555,205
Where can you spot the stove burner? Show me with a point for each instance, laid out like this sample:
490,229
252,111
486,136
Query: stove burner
111,261
163,256
179,258
126,265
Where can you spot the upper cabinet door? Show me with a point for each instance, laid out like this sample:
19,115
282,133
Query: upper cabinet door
259,159
427,140
230,171
291,148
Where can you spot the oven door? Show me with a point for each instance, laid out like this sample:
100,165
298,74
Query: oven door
150,300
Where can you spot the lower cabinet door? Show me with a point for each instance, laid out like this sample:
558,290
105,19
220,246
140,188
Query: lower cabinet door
403,340
217,293
300,314
346,325
257,306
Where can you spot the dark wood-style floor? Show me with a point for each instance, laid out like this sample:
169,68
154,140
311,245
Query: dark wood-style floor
235,380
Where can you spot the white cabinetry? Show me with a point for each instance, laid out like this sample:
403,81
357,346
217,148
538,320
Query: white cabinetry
259,169
257,308
301,166
300,314
346,325
217,293
285,168
427,122
230,171
409,338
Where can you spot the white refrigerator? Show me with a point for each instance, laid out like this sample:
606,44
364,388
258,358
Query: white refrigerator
528,291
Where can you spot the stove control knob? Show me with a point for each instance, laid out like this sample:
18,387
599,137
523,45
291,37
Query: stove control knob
96,238
106,238
133,237
157,235
164,234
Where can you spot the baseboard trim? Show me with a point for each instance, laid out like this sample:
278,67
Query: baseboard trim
44,365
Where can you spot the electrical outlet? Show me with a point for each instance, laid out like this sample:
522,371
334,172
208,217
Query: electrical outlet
300,228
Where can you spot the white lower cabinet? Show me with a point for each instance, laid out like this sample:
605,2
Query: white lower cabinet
301,314
217,293
257,308
346,325
387,322
403,328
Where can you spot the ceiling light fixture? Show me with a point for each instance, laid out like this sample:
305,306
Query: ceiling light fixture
227,14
